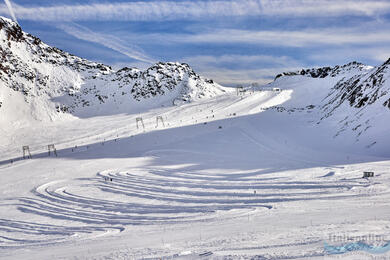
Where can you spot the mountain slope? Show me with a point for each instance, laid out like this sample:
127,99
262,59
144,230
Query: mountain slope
352,99
39,82
362,103
352,67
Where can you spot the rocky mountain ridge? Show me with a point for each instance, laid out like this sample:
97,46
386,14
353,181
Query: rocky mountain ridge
324,72
56,82
353,98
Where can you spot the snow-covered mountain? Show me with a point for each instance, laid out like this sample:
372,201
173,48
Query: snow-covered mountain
352,67
40,82
361,104
353,98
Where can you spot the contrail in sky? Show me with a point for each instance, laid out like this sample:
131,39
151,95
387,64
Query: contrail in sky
8,3
109,41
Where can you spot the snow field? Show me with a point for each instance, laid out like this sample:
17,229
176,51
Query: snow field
250,188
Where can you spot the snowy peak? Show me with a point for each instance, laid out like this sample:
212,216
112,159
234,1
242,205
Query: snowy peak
360,104
17,41
164,77
12,30
323,72
353,99
361,90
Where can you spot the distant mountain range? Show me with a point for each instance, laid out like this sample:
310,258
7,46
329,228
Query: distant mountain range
40,82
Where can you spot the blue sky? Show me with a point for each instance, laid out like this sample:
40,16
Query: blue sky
231,41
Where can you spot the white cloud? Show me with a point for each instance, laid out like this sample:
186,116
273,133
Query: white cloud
377,55
279,38
109,41
230,77
249,60
172,10
257,68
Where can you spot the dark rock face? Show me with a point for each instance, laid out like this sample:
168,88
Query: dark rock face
361,99
361,90
160,78
13,31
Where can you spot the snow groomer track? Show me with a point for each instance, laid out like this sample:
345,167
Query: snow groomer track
114,200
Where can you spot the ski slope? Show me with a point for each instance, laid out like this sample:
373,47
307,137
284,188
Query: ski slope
226,177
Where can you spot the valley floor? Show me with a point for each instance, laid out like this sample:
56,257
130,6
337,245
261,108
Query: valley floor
227,177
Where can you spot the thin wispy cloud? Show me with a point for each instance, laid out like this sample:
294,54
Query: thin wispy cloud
11,11
251,68
227,76
338,36
244,61
377,54
195,10
109,41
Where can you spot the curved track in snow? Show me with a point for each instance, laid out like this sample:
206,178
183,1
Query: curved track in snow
114,200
